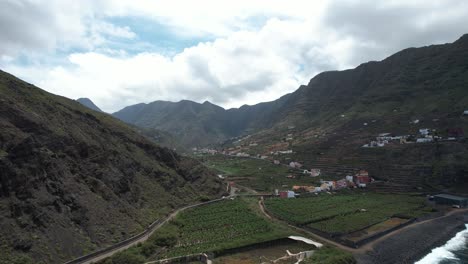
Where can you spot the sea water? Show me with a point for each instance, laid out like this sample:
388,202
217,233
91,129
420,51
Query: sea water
454,251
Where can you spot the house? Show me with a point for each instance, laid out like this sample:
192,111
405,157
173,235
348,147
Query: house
424,131
287,194
300,188
384,136
294,164
263,157
349,178
315,172
341,184
362,177
329,185
448,199
362,173
424,140
290,176
324,187
276,162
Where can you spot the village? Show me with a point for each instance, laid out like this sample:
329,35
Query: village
359,180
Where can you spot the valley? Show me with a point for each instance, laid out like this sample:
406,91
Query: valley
366,165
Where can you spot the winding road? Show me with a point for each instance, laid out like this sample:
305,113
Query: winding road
142,237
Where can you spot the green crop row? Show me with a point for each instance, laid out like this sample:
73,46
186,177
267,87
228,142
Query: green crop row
344,213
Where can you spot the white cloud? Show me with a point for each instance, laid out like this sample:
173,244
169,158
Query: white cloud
246,67
259,52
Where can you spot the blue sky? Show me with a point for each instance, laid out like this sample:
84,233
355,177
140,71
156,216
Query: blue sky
230,53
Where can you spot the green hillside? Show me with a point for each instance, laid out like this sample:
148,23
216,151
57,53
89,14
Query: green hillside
73,180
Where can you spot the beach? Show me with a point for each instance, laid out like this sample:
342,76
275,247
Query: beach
411,244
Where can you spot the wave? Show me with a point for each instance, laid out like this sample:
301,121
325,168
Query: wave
446,252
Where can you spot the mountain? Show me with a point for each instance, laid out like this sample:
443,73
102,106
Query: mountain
192,123
327,121
88,103
414,82
73,180
196,124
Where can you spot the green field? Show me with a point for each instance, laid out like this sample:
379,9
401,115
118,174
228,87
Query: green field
260,175
209,228
347,212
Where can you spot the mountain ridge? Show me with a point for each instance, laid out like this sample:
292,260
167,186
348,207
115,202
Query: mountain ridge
313,102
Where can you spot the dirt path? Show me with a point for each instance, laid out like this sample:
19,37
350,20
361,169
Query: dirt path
367,247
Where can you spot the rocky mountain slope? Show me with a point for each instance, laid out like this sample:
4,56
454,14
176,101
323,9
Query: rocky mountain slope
416,82
73,180
337,113
88,103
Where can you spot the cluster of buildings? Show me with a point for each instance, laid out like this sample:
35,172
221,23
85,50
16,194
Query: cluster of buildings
383,139
360,179
289,151
204,151
425,135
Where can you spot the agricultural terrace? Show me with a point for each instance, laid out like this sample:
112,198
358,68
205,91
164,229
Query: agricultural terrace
222,225
260,175
340,214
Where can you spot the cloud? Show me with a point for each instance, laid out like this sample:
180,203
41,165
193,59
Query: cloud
246,67
255,52
31,27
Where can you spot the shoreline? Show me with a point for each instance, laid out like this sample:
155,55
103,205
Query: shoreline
412,245
441,241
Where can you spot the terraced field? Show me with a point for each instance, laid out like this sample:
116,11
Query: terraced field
219,226
339,214
209,228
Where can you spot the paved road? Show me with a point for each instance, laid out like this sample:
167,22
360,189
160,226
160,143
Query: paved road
143,238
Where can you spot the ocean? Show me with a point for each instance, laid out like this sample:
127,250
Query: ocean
455,251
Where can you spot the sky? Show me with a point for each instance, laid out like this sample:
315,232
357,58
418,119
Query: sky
231,53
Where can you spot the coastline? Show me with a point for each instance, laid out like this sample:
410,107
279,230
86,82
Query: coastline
413,244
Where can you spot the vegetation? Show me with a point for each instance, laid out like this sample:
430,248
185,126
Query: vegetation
330,255
74,180
347,212
261,175
210,228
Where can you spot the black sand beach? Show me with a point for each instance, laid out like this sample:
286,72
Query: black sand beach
410,245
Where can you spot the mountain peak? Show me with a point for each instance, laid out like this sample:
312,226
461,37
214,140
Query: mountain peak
88,103
463,39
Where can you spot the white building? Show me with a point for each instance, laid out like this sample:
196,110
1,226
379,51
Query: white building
424,140
424,131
